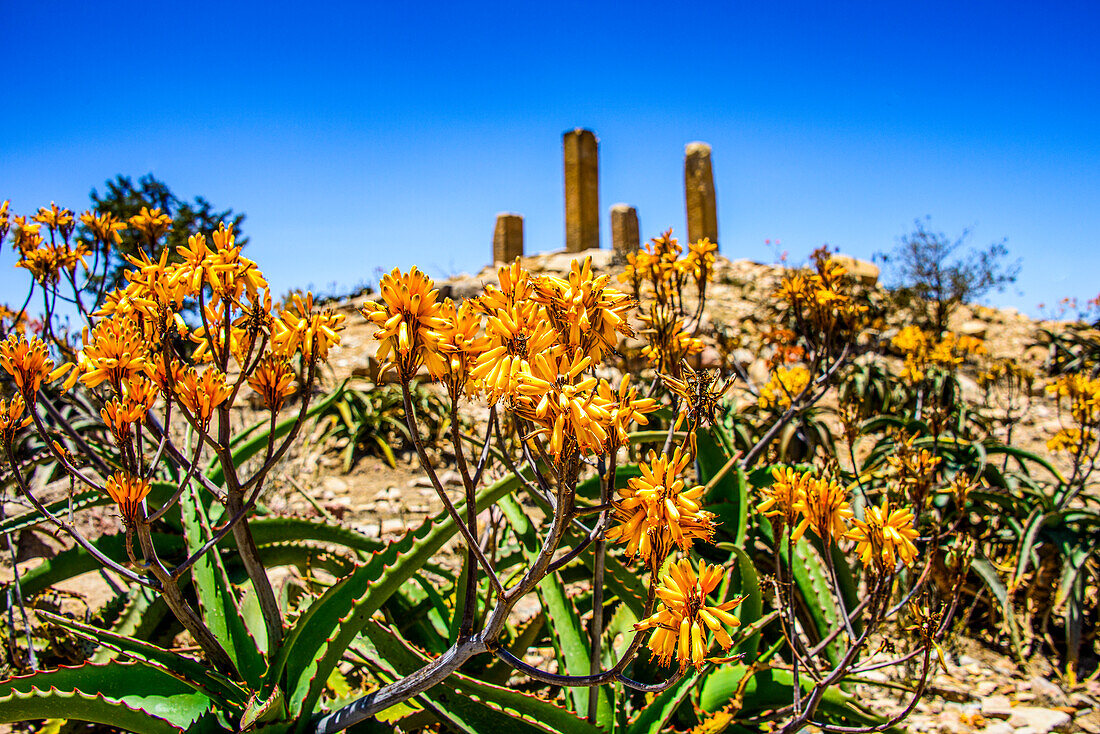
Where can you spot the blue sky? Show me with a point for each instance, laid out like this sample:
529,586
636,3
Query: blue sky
359,136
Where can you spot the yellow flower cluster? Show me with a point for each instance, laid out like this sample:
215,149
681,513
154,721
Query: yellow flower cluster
1081,395
657,509
28,363
1006,370
922,350
130,353
802,501
669,344
685,616
12,419
784,384
884,537
820,298
531,341
46,261
1070,440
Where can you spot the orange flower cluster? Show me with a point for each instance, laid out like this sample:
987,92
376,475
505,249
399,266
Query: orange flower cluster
657,509
533,342
12,419
659,265
130,355
46,261
819,298
923,350
802,501
685,615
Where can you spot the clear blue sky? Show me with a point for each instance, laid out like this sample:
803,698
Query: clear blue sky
364,136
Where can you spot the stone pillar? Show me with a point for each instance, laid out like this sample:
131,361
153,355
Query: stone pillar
582,195
508,238
702,212
625,236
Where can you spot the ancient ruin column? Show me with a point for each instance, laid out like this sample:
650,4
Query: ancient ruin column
582,195
624,229
508,237
702,212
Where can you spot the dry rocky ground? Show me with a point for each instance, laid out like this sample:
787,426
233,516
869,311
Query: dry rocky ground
980,690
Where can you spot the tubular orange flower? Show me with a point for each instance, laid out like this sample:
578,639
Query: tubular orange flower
11,419
229,275
784,497
555,396
27,362
584,311
201,394
461,344
884,537
113,351
104,226
825,509
273,380
120,413
668,343
684,618
299,327
658,499
516,334
127,492
151,225
57,219
5,221
409,319
626,408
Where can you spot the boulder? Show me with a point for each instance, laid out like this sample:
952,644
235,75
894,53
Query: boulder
863,271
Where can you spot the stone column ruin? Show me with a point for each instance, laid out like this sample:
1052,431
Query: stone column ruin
508,237
702,211
625,237
580,150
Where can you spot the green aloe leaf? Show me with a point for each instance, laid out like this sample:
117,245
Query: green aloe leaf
192,673
266,530
654,718
572,645
988,574
728,498
130,696
323,632
217,599
472,705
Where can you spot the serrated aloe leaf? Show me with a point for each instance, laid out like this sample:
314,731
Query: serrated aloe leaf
266,530
572,647
192,673
128,695
323,632
142,612
655,716
746,582
473,705
217,600
80,501
728,498
305,557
